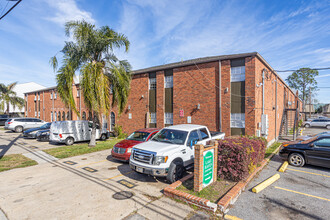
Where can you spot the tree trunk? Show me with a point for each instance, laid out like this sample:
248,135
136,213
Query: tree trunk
7,111
92,142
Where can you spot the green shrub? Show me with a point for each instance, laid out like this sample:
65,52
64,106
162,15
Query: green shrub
118,131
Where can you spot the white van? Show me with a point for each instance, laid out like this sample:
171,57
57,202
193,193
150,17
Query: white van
69,132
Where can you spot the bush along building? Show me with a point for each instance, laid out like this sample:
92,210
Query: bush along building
238,94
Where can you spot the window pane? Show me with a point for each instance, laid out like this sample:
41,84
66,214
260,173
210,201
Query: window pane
237,74
152,83
237,120
193,137
204,133
153,119
168,82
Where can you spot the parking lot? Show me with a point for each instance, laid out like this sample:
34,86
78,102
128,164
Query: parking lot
91,186
300,193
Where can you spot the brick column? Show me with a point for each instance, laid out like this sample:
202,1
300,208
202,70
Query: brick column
160,102
199,163
225,97
198,167
250,93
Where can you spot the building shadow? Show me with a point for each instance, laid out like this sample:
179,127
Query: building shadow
5,148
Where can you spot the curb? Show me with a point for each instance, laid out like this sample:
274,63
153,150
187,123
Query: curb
171,191
232,195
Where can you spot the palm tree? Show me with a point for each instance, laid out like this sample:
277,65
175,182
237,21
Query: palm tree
91,53
9,97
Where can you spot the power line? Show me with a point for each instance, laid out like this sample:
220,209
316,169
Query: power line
10,9
325,68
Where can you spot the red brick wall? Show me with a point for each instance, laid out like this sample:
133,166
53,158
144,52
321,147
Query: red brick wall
225,97
250,99
193,85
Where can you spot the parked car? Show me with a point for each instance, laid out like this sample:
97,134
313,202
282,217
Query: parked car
321,122
43,135
69,132
3,119
122,150
31,133
315,151
306,137
22,124
170,151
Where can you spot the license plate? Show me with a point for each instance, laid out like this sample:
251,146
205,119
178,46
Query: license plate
139,169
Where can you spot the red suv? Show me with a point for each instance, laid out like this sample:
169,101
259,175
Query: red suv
122,150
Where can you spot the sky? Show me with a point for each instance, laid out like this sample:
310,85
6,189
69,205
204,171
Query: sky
288,34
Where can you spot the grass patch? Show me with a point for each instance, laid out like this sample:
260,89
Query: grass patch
79,149
13,161
212,192
271,149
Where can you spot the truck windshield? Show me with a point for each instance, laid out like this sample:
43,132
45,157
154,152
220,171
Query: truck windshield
171,136
138,136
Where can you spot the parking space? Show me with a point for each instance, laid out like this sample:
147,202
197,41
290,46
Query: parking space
313,131
300,193
90,186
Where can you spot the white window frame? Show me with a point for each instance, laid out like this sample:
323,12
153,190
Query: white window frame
168,82
237,74
55,95
168,118
237,120
153,118
152,83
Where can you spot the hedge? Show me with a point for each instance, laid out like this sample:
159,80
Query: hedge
239,156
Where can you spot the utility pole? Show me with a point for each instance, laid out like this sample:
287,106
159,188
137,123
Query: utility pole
310,102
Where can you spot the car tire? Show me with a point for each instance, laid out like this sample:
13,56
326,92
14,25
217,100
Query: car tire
328,127
175,172
18,129
296,159
69,141
307,125
103,137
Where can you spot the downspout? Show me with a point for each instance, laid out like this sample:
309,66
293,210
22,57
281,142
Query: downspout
43,105
220,127
263,91
79,103
53,104
275,108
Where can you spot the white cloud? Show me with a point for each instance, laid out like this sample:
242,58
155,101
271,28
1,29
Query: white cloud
67,10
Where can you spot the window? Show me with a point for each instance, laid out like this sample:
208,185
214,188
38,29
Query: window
55,95
78,92
68,116
168,118
111,89
63,116
152,83
153,119
35,96
168,82
237,74
325,142
51,116
204,133
237,120
59,116
55,118
113,121
193,138
84,116
51,95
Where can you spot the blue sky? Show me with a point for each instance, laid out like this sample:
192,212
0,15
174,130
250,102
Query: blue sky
288,34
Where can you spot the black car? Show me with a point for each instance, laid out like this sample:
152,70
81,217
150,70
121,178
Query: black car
315,151
43,135
31,133
3,119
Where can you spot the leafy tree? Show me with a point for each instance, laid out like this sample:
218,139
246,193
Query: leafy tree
303,80
9,97
91,53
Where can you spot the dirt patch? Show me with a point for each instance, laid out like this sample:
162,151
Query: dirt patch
213,192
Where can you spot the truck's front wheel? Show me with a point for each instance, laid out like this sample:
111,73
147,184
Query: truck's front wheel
175,171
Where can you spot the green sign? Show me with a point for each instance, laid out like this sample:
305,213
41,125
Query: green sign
208,167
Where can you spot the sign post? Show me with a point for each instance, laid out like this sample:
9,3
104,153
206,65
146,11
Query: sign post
205,167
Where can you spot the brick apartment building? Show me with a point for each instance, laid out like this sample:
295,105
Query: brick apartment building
236,94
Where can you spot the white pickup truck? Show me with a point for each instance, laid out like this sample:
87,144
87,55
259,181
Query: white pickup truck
171,151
